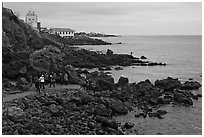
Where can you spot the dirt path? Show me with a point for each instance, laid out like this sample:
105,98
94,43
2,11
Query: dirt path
10,97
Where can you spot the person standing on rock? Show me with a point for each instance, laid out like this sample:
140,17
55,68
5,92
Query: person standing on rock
42,82
52,80
65,78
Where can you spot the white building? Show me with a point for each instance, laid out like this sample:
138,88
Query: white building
32,19
63,32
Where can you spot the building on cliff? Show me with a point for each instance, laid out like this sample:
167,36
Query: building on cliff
32,19
63,32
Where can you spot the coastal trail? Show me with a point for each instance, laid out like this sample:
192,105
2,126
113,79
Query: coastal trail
32,91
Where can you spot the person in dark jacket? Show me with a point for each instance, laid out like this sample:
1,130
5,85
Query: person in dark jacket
37,84
52,80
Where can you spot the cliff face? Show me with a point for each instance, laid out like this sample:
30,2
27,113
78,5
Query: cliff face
18,41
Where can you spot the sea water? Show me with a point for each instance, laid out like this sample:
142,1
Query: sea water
183,56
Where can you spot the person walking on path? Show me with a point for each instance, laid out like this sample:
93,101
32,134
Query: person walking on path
52,80
42,81
65,78
37,84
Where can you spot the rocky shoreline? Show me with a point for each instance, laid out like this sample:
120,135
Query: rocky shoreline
90,110
86,111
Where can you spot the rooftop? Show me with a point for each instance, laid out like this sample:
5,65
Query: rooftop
62,29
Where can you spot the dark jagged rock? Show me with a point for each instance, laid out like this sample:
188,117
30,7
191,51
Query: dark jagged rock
162,112
156,64
104,68
147,89
182,97
22,84
100,81
107,122
122,81
168,84
109,52
116,105
143,57
118,68
128,125
190,85
73,76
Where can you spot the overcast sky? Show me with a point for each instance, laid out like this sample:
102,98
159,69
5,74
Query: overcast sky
131,18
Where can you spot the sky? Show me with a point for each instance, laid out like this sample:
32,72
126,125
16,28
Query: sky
122,18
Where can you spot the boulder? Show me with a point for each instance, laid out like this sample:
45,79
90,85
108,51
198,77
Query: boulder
190,85
16,114
143,57
106,122
22,84
122,81
168,84
162,112
109,52
181,97
115,105
147,89
101,81
104,85
118,68
73,75
22,81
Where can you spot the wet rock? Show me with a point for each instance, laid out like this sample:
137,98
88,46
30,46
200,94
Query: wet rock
104,68
143,57
156,64
116,105
107,122
199,95
190,85
128,125
122,81
181,97
148,91
15,113
109,52
157,114
162,112
168,84
118,68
